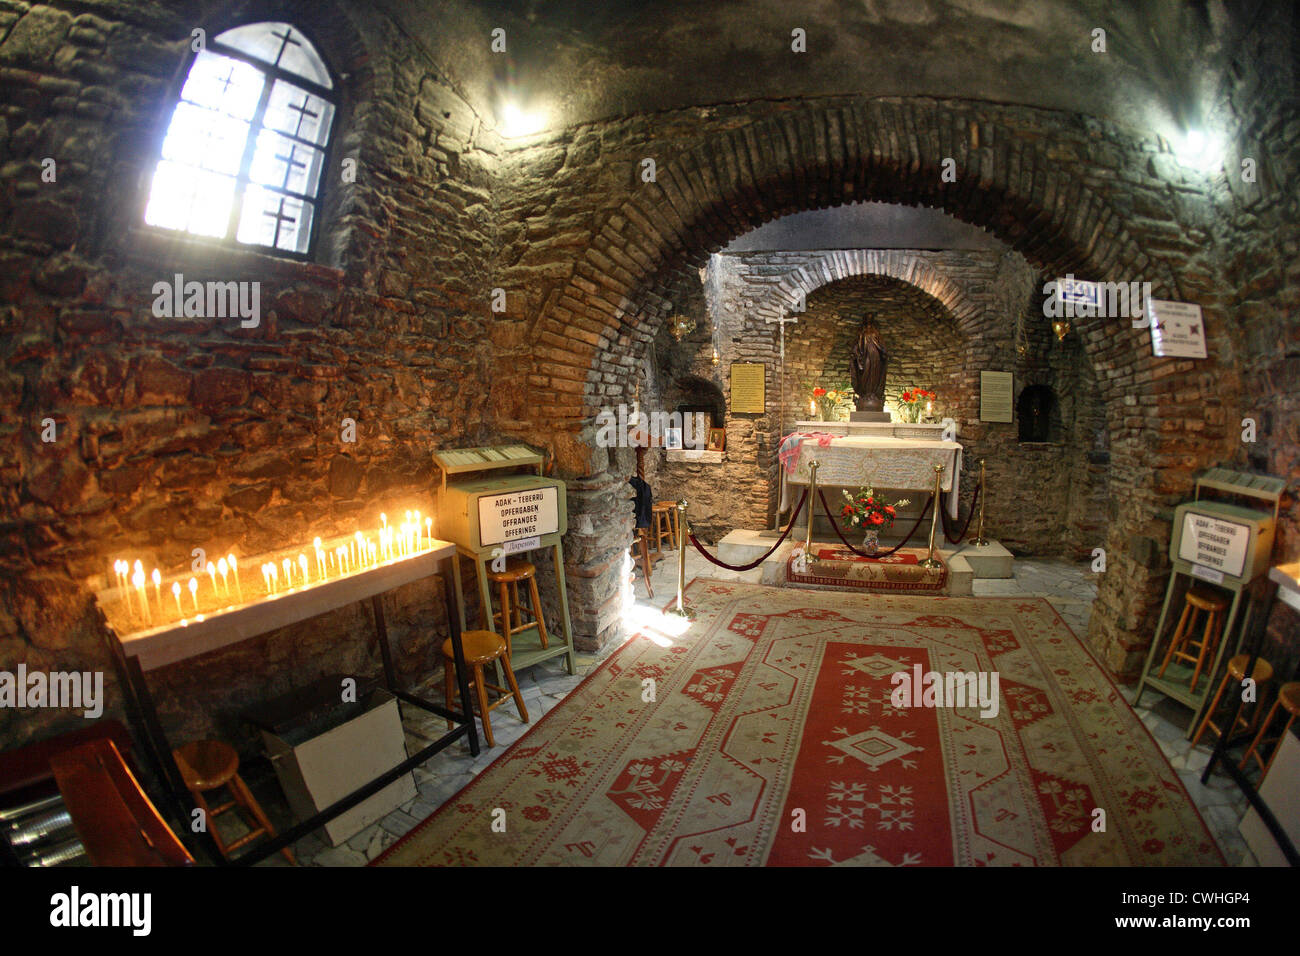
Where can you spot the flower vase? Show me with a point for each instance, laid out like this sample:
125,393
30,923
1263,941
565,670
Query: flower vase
871,540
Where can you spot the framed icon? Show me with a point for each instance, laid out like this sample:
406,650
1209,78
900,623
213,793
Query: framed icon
717,439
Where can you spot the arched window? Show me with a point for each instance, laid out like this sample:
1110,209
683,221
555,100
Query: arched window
246,145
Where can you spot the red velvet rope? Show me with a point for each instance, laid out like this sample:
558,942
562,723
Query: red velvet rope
753,564
879,554
966,527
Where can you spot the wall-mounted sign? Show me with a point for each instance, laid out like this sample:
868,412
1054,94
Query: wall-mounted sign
997,392
748,382
520,514
1214,543
1177,329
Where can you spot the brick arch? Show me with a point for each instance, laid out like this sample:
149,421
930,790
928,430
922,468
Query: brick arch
897,264
740,173
817,155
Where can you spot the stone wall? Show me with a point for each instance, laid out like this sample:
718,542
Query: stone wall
177,433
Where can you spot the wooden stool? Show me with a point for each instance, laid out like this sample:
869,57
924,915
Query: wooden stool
510,617
642,542
664,514
1288,698
1198,599
482,647
210,764
1236,673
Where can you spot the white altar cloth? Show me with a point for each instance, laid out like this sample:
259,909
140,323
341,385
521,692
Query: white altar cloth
894,463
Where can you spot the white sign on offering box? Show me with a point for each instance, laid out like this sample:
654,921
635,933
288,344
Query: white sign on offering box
1177,329
521,514
1214,544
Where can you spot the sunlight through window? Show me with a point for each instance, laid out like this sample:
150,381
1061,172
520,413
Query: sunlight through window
245,148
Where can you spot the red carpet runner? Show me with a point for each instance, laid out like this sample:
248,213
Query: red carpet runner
776,708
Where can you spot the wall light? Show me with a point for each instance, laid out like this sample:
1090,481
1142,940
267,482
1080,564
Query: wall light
1200,151
515,122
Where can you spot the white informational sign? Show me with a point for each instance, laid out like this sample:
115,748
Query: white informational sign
522,545
520,514
1177,329
1214,544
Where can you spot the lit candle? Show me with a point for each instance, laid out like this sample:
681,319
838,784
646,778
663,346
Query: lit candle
428,530
288,572
353,550
123,571
302,563
194,593
138,580
929,407
332,556
320,559
812,407
157,590
234,566
266,576
212,573
176,593
275,576
417,531
225,572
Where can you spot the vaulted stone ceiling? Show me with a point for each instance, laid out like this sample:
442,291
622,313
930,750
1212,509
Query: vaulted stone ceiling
579,60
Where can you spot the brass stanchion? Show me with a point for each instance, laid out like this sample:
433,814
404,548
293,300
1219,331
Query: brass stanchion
681,610
980,541
931,561
812,506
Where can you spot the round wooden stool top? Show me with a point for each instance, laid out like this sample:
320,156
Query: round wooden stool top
480,646
1237,668
1205,599
664,506
206,764
1288,696
517,569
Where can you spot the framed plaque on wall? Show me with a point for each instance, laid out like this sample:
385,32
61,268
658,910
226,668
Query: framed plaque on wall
748,382
997,392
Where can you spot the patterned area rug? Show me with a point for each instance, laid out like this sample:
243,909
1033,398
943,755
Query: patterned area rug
775,735
840,569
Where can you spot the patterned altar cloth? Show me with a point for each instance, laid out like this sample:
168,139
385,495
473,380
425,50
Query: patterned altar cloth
903,464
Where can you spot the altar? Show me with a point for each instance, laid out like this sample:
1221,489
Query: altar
896,464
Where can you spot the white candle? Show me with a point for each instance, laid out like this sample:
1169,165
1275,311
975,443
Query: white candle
352,553
428,530
332,556
157,590
275,576
138,580
176,593
234,566
212,573
417,531
225,572
302,563
194,593
288,572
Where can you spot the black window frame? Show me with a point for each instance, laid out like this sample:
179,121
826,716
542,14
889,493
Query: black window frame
272,73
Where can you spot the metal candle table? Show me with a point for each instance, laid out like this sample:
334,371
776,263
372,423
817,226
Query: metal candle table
143,651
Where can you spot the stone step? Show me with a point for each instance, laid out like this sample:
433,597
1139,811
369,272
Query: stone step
741,546
990,561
